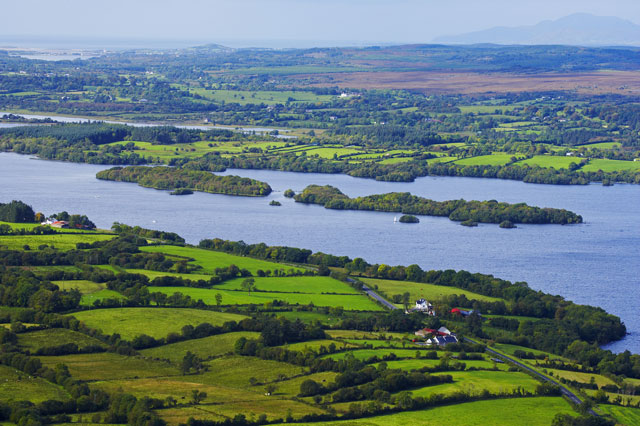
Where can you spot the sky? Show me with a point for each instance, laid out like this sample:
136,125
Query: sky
281,23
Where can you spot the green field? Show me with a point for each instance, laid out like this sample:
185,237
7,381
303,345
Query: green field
244,97
474,382
487,160
353,302
55,337
59,241
501,412
109,366
155,322
364,354
626,416
610,165
211,346
18,386
416,364
156,274
548,161
210,260
83,286
302,284
430,292
510,350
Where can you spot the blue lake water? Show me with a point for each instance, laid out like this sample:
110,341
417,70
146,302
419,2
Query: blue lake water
596,263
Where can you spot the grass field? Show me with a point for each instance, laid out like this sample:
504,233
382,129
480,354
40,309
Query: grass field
364,354
582,377
18,386
510,350
513,412
109,366
83,286
211,346
34,340
231,297
210,260
626,416
155,274
59,241
610,165
308,317
236,371
312,285
474,382
416,364
155,322
548,161
244,97
487,160
430,292
88,299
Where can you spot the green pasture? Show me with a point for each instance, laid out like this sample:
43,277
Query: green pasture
443,159
308,317
602,145
18,386
378,343
155,322
364,354
356,334
484,109
548,161
474,382
83,286
209,260
538,411
59,241
237,371
155,274
611,165
244,97
206,347
416,364
315,345
396,160
34,340
301,284
89,299
487,160
626,416
353,302
417,291
291,387
581,377
510,350
109,366
329,153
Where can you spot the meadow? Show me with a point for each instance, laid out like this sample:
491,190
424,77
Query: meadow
522,411
62,242
430,292
354,302
206,347
209,260
496,159
18,386
303,284
34,340
474,382
154,322
626,416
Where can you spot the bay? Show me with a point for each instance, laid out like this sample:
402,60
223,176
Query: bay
595,263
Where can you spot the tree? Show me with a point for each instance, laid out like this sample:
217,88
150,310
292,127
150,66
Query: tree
406,297
197,396
218,299
270,389
248,284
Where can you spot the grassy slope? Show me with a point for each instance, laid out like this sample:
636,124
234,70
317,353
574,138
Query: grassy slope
155,322
514,412
18,386
210,260
54,337
430,292
230,297
626,416
312,284
205,347
59,241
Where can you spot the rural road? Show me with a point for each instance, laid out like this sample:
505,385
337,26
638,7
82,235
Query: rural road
372,294
564,390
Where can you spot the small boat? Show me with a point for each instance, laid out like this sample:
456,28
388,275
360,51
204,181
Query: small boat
395,219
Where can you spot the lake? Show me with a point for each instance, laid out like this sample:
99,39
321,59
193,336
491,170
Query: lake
596,263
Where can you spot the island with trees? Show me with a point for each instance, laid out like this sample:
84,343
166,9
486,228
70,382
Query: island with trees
196,180
456,210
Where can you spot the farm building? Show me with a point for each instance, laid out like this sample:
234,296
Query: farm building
423,306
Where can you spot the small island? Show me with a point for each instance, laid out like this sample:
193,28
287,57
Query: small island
507,224
457,210
195,180
289,193
181,191
407,218
275,203
469,223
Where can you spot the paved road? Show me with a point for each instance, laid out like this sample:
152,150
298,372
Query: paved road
572,396
372,294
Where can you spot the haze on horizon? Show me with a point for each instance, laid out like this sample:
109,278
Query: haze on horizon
284,23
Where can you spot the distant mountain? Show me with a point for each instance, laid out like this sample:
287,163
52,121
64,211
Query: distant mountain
580,29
